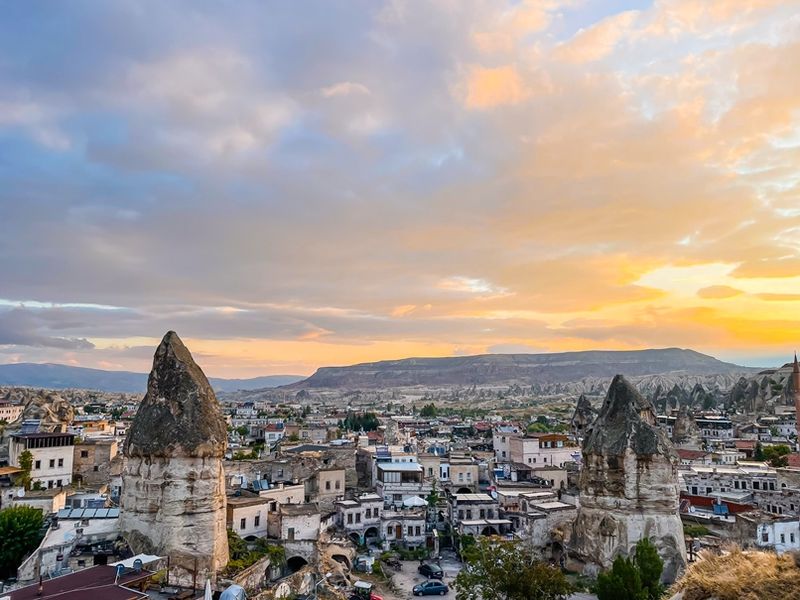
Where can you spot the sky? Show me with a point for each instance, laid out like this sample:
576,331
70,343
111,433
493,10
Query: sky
291,185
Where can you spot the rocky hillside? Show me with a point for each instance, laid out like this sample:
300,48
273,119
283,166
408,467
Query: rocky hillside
762,390
59,377
545,373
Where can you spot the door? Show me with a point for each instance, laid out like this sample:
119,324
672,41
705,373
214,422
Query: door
398,531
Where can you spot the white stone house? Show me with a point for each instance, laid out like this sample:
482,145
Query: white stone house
248,516
399,481
541,450
477,514
360,518
404,527
52,456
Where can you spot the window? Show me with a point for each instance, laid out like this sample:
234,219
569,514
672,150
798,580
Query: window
52,463
358,517
290,534
327,485
765,536
84,454
273,506
256,520
338,485
388,531
460,515
243,523
369,514
37,464
418,530
736,485
349,518
58,483
483,514
791,538
60,462
469,514
783,539
50,484
96,469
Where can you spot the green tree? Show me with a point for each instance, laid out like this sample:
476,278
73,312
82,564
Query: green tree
759,452
496,569
21,532
650,568
637,578
621,582
26,464
429,410
242,430
776,455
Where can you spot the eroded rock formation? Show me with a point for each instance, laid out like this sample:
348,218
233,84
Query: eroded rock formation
583,417
173,484
628,485
685,432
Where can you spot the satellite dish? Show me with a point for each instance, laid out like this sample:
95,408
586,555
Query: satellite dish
21,493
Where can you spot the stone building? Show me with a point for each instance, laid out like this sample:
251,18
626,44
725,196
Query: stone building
92,462
173,484
52,456
628,485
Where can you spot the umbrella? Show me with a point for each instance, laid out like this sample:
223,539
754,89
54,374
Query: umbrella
208,595
414,501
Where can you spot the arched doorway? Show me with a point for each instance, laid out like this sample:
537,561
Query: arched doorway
341,558
296,563
355,537
464,490
371,534
489,530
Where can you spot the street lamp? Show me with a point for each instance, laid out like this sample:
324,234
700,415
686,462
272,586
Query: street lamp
327,576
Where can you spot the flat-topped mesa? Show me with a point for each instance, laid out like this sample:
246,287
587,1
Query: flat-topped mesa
173,484
179,415
628,485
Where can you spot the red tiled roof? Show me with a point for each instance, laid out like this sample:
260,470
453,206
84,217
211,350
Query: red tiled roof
90,584
745,444
793,460
691,454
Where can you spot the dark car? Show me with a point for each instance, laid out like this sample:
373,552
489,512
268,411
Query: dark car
430,571
430,588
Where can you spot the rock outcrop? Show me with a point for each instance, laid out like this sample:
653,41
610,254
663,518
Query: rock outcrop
583,417
685,432
628,485
173,484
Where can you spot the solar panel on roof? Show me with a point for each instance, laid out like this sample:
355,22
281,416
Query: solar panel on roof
113,512
63,513
76,513
89,513
101,513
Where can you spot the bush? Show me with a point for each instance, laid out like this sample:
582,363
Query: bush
20,534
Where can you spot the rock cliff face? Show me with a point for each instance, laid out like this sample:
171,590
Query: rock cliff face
583,417
628,485
173,484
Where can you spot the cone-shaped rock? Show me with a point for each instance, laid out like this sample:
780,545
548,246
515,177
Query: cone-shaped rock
173,484
180,415
628,485
685,431
583,417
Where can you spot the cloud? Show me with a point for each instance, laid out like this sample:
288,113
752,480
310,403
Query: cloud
425,178
718,292
491,87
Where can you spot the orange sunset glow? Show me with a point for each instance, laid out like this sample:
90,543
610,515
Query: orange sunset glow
426,179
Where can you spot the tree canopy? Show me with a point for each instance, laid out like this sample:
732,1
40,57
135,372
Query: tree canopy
636,578
20,532
497,569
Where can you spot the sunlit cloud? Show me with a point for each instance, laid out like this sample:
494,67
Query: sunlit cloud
431,178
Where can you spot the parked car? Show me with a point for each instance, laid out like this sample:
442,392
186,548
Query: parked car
431,570
432,587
